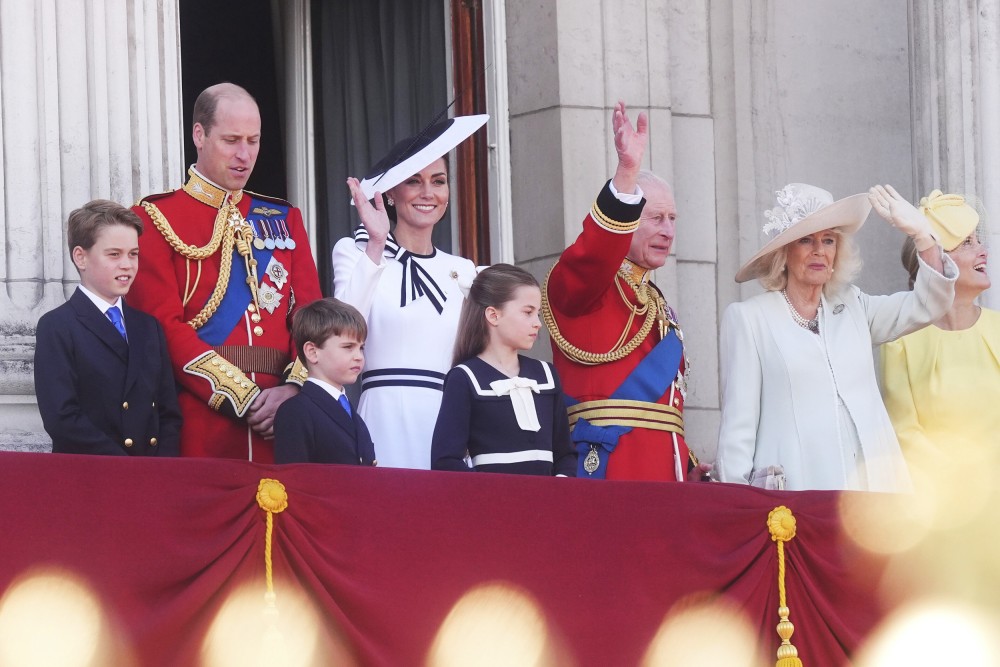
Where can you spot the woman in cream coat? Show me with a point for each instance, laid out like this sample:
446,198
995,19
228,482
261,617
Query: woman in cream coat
800,405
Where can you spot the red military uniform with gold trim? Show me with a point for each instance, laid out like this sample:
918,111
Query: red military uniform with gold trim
592,306
182,250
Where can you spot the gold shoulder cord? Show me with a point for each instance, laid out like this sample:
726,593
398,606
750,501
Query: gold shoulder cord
618,350
222,235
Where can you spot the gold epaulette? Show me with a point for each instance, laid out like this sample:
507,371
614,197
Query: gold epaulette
228,382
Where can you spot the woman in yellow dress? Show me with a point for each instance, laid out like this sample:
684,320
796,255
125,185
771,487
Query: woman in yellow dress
941,384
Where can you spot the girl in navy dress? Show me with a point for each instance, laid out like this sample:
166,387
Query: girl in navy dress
502,411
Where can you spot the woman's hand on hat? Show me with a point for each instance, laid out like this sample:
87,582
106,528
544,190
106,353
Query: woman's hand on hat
374,218
902,215
630,144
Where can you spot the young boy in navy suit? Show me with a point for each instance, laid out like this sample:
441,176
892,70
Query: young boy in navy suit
102,375
319,425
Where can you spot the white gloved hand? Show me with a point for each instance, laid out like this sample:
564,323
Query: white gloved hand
902,215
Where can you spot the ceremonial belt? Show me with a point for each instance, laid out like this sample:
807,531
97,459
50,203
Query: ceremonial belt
631,405
238,296
255,358
623,412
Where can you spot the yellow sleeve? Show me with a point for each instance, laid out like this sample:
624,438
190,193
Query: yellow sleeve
898,398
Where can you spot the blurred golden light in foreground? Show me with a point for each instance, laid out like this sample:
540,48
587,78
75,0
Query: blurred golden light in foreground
494,624
710,632
949,492
886,524
249,631
50,617
933,633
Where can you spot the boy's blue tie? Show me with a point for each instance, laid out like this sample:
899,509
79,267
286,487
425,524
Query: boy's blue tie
344,403
115,316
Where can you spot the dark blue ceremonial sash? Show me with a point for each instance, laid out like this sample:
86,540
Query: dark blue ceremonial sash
647,382
238,296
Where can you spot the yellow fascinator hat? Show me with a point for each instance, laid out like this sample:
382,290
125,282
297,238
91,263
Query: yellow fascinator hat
951,218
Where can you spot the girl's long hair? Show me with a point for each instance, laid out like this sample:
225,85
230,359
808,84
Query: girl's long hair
494,286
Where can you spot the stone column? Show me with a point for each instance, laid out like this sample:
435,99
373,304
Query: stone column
89,108
955,70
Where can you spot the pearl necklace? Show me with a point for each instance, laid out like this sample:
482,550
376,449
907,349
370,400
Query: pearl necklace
812,325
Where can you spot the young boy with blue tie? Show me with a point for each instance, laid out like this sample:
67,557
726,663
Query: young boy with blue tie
102,375
318,425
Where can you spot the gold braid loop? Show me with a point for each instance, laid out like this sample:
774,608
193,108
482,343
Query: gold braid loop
225,268
619,350
223,236
184,249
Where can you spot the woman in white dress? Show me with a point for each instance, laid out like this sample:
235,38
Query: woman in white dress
409,291
800,405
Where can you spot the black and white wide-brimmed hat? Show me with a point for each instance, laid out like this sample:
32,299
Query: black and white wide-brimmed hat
411,155
803,210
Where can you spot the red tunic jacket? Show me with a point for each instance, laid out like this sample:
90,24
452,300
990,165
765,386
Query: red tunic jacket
584,296
214,393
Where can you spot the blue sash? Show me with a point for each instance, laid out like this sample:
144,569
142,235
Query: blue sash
238,296
647,382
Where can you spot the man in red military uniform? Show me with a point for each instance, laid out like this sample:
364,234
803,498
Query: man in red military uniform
222,270
615,342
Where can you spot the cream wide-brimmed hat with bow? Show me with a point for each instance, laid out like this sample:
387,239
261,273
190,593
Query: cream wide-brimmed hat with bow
803,210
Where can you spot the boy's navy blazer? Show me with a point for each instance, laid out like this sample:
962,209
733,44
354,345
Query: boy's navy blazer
98,394
312,427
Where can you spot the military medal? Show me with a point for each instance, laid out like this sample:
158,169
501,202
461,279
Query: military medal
593,461
279,242
268,240
289,241
268,297
682,378
258,242
277,272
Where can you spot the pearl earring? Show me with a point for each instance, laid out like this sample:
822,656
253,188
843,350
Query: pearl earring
390,201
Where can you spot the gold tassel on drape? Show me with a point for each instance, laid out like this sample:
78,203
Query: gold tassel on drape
273,499
781,525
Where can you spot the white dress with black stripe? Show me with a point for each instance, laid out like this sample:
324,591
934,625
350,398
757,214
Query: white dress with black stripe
409,347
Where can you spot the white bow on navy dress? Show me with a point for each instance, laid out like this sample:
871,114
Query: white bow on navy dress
520,389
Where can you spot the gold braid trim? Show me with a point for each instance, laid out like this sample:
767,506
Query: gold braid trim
619,350
612,225
227,381
297,372
222,235
184,249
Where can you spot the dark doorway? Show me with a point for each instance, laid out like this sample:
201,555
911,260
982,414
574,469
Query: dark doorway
380,75
233,40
